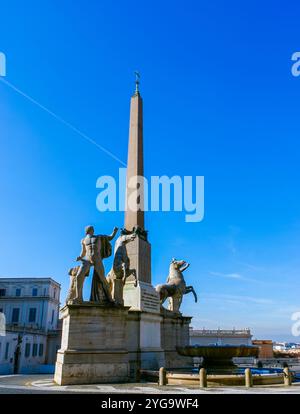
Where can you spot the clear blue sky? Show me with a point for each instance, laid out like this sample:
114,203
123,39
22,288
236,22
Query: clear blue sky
219,101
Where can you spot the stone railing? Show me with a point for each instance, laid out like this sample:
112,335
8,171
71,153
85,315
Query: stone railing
31,328
220,332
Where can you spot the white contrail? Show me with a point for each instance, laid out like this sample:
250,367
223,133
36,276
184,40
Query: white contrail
58,118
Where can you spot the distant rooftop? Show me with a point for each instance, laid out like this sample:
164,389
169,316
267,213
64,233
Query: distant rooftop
28,280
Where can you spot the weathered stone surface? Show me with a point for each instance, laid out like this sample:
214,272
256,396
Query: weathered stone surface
142,297
94,345
144,341
175,333
139,252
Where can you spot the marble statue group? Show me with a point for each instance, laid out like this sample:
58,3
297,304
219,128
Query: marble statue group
109,289
94,248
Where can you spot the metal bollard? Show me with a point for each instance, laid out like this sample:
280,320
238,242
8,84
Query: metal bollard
248,378
162,377
138,375
203,378
287,375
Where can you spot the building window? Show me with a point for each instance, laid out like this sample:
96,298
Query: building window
15,315
34,350
18,292
27,350
41,350
2,292
34,292
32,315
54,293
6,350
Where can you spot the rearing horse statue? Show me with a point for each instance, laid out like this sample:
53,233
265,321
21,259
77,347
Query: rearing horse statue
175,287
120,270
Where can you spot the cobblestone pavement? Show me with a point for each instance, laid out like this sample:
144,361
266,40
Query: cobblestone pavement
43,384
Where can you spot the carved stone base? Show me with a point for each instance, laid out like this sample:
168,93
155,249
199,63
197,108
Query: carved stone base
94,345
175,332
144,342
142,297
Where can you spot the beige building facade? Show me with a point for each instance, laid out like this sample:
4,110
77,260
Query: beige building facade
30,334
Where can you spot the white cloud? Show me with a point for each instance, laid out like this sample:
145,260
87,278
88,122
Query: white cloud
239,298
228,275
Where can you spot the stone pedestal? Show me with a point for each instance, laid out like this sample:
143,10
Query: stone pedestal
144,326
142,297
175,332
144,342
94,345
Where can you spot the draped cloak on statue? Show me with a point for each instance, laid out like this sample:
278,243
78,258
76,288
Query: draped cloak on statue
98,292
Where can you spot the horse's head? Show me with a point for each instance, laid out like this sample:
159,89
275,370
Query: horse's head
177,264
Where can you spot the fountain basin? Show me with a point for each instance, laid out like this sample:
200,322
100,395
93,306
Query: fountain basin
191,378
218,355
175,378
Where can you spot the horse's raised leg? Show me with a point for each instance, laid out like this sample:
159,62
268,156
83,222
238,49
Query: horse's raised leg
190,289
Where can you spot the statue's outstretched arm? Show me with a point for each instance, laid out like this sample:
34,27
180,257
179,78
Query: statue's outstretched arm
115,230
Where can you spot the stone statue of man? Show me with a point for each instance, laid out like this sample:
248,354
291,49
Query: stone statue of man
94,248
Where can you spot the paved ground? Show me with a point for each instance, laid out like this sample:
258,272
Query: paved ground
43,384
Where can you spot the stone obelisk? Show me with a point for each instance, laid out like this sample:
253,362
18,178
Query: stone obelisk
134,216
139,251
144,319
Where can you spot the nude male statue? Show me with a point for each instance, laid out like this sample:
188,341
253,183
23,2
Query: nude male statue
94,248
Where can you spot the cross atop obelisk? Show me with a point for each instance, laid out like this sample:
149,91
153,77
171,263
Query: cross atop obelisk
134,217
137,82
